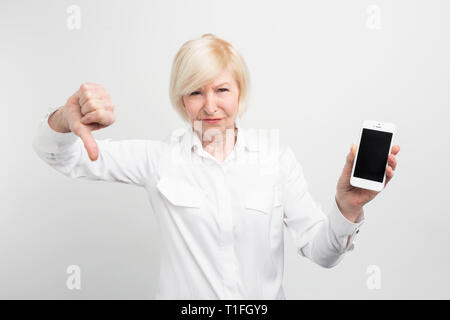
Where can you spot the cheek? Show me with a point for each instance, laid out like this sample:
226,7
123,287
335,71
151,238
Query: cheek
192,108
230,105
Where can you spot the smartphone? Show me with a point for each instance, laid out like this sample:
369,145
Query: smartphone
369,166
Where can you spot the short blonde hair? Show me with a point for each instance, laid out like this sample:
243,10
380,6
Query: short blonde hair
201,60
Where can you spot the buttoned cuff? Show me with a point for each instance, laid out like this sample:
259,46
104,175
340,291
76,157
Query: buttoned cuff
344,229
51,141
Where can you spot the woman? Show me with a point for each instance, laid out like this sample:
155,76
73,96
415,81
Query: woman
221,196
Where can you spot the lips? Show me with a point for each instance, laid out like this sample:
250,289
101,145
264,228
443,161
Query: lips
210,121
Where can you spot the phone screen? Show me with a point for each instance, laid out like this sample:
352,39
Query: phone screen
372,155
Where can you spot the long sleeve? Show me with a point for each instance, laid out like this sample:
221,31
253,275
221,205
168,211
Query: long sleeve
125,161
322,238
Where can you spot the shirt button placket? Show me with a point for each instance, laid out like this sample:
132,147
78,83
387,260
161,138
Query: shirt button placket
227,239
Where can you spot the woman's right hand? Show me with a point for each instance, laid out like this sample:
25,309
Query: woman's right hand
88,109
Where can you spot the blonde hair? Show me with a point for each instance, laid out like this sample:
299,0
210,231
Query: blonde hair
201,60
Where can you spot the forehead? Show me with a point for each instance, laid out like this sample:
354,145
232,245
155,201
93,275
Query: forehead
225,77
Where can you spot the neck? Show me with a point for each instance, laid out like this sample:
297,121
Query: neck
220,144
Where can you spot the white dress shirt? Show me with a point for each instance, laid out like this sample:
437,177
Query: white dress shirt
222,223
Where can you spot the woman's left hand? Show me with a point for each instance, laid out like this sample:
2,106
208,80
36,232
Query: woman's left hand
350,199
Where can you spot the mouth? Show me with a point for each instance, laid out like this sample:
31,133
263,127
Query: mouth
211,121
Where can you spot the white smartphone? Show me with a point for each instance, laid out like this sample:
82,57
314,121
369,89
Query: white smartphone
369,166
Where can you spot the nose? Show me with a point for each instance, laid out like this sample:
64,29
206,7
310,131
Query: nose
210,104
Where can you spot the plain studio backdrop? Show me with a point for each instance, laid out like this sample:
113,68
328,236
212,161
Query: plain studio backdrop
318,69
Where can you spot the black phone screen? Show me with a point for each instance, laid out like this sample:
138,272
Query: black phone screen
372,155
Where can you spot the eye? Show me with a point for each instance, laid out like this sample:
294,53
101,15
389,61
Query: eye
223,89
195,93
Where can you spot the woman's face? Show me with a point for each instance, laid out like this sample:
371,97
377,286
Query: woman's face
219,100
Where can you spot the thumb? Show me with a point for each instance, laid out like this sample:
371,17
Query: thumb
89,142
349,161
353,151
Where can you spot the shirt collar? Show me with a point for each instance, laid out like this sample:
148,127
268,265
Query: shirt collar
191,140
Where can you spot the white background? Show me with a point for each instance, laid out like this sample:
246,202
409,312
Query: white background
318,69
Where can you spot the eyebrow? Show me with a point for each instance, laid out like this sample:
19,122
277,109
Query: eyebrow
221,84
